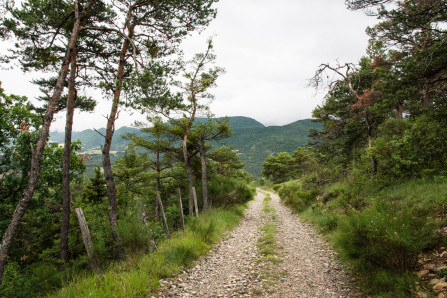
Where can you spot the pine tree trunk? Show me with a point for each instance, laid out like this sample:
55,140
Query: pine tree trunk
36,161
194,195
204,178
180,207
163,216
66,195
399,111
189,174
106,163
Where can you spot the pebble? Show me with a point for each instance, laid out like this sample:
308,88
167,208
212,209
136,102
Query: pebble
232,267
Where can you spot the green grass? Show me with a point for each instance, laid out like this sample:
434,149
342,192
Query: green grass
267,244
139,276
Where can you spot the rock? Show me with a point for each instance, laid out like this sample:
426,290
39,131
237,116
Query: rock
423,273
435,281
437,269
440,287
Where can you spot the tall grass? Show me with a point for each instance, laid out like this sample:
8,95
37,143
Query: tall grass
381,234
139,276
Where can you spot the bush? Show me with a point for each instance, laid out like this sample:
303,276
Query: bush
134,235
228,191
276,187
296,197
383,236
204,229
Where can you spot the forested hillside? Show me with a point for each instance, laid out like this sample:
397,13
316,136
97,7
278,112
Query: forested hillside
256,143
252,140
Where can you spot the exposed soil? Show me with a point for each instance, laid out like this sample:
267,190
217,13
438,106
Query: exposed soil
305,266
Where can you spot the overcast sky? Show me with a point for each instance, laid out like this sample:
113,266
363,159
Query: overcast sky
269,50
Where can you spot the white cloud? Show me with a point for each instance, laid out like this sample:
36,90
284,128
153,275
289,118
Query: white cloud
269,50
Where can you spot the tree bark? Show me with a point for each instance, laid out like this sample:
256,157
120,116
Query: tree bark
399,111
370,138
87,239
189,174
180,207
36,161
195,201
163,216
204,177
106,163
66,195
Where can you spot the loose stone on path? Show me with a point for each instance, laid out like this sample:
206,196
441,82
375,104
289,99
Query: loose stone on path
232,267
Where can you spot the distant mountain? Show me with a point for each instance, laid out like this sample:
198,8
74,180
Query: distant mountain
92,141
255,144
252,139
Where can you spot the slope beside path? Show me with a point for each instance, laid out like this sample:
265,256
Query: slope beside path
233,268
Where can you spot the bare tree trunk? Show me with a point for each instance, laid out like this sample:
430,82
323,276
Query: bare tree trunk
163,216
180,207
373,165
195,201
106,163
66,195
189,173
399,111
158,186
87,239
36,161
370,137
204,178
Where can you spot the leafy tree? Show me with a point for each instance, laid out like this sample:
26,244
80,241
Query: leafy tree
189,102
29,28
195,88
226,161
95,191
211,130
278,167
16,114
150,31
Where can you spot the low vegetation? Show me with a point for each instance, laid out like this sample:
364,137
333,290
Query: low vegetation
139,275
267,245
378,233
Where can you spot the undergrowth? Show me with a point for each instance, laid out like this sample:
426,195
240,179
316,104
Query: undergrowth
378,232
139,275
267,244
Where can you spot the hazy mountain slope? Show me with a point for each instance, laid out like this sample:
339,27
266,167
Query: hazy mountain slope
255,144
252,139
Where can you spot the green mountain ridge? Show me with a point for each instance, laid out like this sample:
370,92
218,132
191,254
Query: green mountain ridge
252,139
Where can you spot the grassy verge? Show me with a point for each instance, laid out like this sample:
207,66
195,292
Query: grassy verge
379,233
139,276
268,250
267,243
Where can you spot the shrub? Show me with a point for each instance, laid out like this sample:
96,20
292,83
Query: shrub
133,234
228,191
276,187
204,229
383,236
296,197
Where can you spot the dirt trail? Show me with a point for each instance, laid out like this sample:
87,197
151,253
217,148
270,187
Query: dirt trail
233,267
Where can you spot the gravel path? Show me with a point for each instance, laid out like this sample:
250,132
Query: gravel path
233,268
